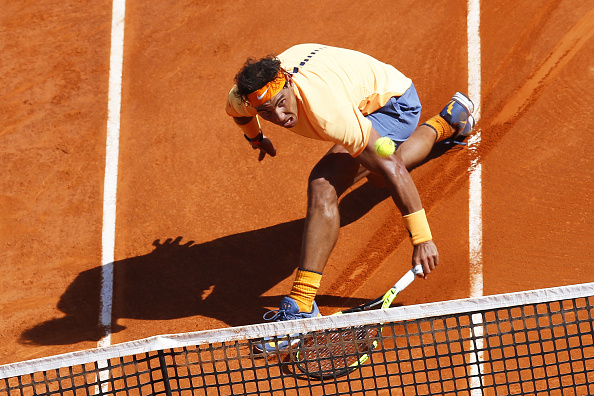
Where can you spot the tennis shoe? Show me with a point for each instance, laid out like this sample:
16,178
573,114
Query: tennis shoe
289,310
458,113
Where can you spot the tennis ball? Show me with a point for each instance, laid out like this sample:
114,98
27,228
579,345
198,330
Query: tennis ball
384,147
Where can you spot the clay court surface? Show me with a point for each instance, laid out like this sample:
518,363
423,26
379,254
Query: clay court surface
207,236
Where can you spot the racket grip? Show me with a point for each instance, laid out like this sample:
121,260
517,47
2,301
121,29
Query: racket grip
408,278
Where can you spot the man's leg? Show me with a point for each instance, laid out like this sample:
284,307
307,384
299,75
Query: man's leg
453,122
418,146
412,151
329,179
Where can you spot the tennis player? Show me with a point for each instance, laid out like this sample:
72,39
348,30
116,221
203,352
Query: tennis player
350,99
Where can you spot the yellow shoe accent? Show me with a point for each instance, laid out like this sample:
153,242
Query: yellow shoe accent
450,107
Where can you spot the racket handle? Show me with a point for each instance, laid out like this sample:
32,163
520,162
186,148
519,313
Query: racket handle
408,278
418,269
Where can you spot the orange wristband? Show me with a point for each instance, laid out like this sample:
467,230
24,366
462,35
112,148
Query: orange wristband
418,227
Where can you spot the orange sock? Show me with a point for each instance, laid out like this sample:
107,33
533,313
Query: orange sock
441,127
305,288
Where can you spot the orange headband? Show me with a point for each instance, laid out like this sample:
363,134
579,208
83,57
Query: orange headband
268,91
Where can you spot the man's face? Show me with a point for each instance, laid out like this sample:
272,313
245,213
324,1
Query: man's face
282,108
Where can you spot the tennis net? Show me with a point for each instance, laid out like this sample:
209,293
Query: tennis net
529,343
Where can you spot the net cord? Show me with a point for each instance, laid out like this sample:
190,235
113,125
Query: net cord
255,331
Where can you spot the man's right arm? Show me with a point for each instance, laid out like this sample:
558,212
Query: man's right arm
252,132
249,125
247,120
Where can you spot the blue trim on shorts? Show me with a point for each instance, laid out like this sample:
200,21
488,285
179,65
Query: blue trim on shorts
399,117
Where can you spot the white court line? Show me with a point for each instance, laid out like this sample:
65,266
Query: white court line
475,231
475,221
111,167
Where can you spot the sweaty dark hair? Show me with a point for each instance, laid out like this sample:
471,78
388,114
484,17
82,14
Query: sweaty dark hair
255,74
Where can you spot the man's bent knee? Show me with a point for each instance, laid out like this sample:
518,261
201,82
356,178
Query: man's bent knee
322,195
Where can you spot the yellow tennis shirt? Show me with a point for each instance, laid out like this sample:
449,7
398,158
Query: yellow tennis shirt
335,89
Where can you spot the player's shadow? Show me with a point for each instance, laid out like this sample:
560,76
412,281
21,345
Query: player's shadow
222,279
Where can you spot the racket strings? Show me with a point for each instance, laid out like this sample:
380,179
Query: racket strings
336,352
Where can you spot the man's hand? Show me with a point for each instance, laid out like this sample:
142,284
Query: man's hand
265,147
425,254
250,127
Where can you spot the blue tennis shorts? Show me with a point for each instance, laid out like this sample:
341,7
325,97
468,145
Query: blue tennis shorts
399,117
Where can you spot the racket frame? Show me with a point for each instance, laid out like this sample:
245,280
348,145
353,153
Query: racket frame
384,302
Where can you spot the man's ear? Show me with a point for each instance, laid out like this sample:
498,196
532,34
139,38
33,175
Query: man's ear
289,78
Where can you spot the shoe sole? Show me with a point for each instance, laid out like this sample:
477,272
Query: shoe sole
259,349
465,102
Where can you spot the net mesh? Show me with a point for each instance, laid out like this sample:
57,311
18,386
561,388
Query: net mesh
537,343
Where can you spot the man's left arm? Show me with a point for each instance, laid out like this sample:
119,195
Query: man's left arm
406,197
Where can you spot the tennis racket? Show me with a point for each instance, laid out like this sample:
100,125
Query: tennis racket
336,352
